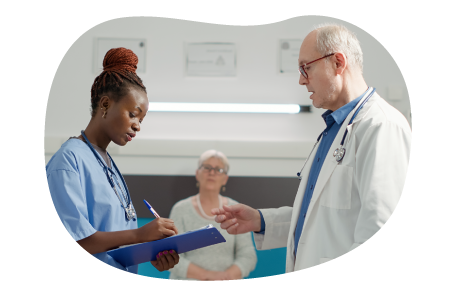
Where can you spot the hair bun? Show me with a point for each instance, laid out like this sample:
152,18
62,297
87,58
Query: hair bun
120,59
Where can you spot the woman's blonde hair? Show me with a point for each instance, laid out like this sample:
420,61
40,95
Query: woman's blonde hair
217,154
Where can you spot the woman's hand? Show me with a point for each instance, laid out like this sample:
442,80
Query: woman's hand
165,260
215,275
157,229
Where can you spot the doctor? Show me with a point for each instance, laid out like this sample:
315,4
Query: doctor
355,174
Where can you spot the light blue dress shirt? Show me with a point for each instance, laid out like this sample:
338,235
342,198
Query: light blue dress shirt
84,199
334,121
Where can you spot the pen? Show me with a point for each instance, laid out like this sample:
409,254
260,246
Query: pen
151,209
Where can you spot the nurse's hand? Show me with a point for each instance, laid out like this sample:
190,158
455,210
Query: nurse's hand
157,229
165,260
238,218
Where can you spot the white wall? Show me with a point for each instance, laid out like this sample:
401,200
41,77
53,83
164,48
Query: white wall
257,144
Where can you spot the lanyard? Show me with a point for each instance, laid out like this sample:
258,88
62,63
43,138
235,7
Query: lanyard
339,153
129,211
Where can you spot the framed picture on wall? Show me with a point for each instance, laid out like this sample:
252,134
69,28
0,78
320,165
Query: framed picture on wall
288,55
211,59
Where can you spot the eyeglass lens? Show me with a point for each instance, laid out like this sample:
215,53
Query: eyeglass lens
216,170
302,72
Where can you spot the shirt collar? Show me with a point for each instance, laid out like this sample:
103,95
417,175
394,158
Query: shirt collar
339,115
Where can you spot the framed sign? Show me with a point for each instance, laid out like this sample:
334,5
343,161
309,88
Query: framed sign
103,45
288,55
211,59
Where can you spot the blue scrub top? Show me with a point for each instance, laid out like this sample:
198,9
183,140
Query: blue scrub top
83,197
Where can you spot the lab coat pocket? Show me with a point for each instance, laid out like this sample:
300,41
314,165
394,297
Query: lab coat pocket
337,191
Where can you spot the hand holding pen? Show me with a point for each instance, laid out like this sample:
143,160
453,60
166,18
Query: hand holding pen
166,259
157,229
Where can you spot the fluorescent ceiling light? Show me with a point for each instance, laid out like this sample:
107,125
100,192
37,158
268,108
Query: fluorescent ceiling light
225,107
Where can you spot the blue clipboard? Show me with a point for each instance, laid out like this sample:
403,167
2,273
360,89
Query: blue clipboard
188,241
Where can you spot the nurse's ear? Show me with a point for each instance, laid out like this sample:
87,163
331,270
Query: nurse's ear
104,104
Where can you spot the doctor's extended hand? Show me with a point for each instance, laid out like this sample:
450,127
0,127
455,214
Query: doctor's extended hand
238,218
156,230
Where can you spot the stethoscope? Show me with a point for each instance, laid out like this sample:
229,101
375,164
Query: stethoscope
130,213
339,153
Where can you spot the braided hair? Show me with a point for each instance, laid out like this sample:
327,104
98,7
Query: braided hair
118,76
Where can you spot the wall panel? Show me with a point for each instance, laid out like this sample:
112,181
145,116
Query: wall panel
162,192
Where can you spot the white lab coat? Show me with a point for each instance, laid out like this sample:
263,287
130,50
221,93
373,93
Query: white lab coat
351,200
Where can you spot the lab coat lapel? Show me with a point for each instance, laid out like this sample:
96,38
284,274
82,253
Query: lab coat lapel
328,166
302,187
297,208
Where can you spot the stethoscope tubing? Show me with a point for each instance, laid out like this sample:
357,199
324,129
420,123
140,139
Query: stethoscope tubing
356,113
346,129
106,170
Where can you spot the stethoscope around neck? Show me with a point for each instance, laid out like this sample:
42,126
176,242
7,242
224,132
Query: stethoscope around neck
130,213
339,153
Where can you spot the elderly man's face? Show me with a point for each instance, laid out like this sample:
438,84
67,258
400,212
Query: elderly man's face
321,81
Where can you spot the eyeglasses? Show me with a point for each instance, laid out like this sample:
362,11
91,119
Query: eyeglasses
208,169
301,68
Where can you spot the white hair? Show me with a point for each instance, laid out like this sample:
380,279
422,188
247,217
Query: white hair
217,154
337,38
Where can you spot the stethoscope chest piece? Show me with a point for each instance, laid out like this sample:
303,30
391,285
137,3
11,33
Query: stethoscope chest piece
130,213
339,154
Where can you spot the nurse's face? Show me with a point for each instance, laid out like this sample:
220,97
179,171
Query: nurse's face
124,117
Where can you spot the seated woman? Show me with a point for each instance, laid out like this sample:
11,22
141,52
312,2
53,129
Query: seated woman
234,259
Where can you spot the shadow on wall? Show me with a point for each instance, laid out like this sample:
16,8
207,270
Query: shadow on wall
270,262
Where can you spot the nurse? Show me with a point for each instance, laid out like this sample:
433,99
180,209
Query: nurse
87,188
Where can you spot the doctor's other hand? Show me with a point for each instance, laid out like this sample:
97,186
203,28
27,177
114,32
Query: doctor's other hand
165,260
157,229
238,218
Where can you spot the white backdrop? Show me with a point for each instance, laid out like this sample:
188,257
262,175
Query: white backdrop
257,144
